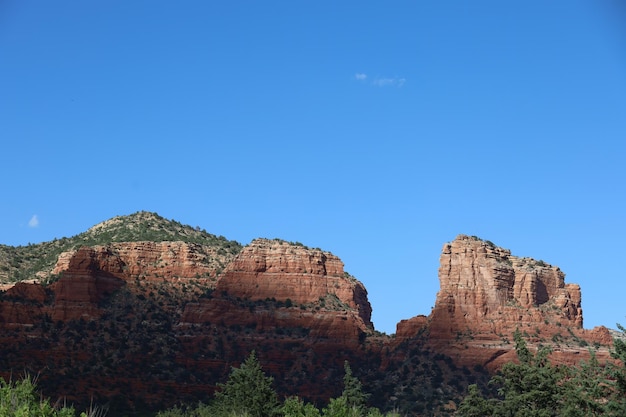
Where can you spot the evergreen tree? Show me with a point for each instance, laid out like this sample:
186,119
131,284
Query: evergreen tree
296,407
338,407
353,390
248,391
352,402
474,404
532,387
617,372
586,389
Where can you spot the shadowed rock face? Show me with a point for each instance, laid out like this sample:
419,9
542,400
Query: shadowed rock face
168,319
91,276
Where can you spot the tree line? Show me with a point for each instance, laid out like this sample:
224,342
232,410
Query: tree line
249,393
535,387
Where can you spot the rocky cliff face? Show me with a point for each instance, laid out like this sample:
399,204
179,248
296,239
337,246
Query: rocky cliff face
154,261
191,311
485,288
91,276
273,269
486,294
147,324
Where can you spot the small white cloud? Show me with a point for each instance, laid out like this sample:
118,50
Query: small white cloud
360,76
34,221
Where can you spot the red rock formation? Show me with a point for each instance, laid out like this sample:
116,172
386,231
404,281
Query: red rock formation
343,328
486,294
24,305
484,287
91,276
28,292
273,269
154,260
409,328
294,305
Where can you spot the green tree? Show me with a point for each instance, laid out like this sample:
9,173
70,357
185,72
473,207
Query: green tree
19,399
586,389
616,405
531,388
296,407
474,404
353,390
352,402
247,391
338,407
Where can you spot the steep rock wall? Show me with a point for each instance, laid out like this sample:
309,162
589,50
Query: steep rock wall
486,294
154,260
484,287
273,269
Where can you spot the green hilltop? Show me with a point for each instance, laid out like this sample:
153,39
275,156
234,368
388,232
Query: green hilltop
36,261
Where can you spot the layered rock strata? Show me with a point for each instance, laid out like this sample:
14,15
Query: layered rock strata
485,288
486,294
273,269
168,319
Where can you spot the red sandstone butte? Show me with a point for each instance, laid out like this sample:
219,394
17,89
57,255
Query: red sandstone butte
486,294
273,269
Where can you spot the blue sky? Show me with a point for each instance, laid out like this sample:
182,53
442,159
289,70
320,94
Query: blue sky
377,131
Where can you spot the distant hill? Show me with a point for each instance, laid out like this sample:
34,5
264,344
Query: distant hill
36,261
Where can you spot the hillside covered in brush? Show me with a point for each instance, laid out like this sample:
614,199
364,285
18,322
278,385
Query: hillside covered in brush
36,261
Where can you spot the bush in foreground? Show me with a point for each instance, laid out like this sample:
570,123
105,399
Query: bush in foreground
20,399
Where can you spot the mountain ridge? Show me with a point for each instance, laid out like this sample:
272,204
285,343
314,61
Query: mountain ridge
36,261
147,323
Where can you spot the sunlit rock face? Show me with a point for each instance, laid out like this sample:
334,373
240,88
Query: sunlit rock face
485,288
486,294
273,269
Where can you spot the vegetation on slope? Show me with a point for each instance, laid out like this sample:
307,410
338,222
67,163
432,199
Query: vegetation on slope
19,398
532,387
36,261
536,388
248,392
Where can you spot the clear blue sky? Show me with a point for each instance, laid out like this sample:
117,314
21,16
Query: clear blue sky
375,130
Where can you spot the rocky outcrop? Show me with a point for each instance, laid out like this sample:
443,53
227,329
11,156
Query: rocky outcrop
156,261
486,294
272,285
23,305
412,327
92,275
485,288
277,270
